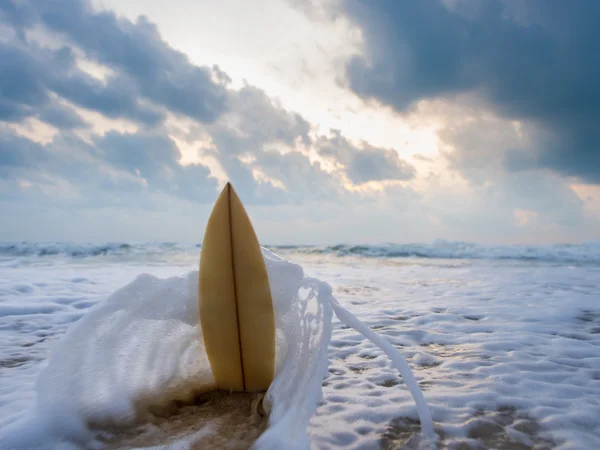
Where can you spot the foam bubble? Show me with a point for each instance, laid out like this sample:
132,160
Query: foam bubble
141,349
137,352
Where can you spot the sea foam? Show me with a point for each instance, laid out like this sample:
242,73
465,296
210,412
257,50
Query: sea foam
141,349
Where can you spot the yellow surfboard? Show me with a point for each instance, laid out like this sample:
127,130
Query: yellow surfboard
236,308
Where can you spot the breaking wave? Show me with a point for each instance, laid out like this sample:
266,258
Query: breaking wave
583,253
87,250
54,249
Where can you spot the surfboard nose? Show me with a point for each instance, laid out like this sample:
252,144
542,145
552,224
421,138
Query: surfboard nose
236,307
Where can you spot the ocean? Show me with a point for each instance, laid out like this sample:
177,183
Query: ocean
504,341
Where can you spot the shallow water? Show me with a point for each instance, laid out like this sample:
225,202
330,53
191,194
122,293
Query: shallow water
507,351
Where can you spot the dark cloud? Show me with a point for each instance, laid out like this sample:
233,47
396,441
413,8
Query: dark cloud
255,120
259,135
306,181
61,117
128,164
244,139
148,75
22,84
365,163
482,147
260,145
162,74
535,61
146,78
117,97
11,112
144,152
31,73
154,157
17,13
18,152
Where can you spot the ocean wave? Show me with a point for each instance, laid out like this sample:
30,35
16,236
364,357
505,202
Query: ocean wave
583,253
587,252
37,249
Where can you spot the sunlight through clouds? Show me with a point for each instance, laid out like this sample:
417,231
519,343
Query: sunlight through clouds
305,107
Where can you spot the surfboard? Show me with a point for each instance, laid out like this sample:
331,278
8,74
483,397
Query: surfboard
236,307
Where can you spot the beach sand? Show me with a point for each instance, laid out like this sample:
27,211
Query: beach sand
217,420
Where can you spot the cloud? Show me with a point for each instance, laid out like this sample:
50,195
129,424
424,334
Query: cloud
161,74
260,145
259,135
30,74
480,148
535,62
154,158
276,143
366,163
65,59
61,117
118,168
22,83
254,120
148,76
18,152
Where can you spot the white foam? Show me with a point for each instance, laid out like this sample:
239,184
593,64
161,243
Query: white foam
305,327
397,360
142,348
503,349
136,350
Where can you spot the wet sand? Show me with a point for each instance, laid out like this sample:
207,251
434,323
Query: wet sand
504,429
217,420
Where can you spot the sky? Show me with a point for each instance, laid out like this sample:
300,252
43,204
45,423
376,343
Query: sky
337,121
